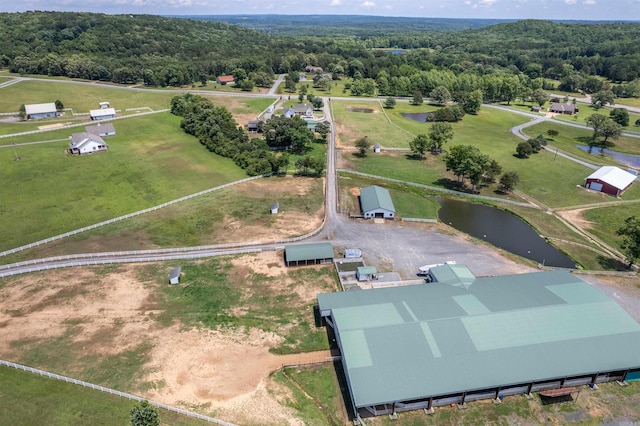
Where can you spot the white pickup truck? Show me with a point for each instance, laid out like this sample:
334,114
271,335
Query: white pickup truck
424,270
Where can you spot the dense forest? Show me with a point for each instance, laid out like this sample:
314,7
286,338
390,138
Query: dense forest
164,51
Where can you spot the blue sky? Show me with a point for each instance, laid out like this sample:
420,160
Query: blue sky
507,9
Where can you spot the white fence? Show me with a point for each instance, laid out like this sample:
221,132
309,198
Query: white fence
114,392
435,188
127,216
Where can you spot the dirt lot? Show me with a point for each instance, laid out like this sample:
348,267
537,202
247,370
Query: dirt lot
225,372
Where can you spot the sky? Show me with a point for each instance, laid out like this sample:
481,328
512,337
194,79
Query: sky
494,9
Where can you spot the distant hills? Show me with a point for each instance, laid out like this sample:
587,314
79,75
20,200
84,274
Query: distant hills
358,25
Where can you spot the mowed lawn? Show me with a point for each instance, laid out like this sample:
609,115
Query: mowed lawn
83,97
549,179
150,161
35,399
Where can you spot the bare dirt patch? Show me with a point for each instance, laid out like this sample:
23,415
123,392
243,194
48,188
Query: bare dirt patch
226,372
576,217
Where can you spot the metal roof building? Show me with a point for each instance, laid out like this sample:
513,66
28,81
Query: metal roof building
308,254
610,180
412,347
35,111
375,201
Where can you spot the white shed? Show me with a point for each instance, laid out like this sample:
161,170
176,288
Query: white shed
174,275
102,113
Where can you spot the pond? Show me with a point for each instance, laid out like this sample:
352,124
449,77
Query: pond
626,159
365,110
502,229
420,117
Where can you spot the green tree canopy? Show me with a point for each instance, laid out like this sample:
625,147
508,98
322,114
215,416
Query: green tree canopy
508,181
630,232
419,145
620,116
390,102
440,95
439,134
524,149
603,127
363,144
144,414
466,161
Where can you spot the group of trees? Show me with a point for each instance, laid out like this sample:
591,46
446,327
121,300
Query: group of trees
604,128
531,146
439,134
215,128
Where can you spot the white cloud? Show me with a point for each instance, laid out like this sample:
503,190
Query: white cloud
368,4
336,3
570,1
589,2
487,2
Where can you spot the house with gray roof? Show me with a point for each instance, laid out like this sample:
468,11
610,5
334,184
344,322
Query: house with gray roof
86,143
465,339
565,108
376,202
101,129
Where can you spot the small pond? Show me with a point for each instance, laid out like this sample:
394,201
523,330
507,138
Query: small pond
365,110
502,229
420,117
626,159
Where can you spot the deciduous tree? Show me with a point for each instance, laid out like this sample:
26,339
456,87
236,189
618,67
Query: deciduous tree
620,116
144,414
508,181
419,145
363,144
524,149
630,232
439,134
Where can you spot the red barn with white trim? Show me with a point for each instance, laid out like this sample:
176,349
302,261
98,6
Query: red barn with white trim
610,180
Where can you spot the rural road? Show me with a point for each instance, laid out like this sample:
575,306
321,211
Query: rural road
400,247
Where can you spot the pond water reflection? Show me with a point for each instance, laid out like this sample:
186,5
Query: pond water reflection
420,117
626,159
502,229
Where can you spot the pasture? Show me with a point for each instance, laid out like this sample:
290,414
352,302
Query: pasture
150,161
37,400
551,180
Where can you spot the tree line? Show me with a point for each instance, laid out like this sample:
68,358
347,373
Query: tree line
162,51
218,131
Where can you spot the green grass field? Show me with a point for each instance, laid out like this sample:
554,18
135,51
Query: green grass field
199,221
409,201
374,125
29,399
150,161
551,180
568,137
607,220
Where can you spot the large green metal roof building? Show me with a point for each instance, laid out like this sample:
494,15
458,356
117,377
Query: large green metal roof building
433,344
